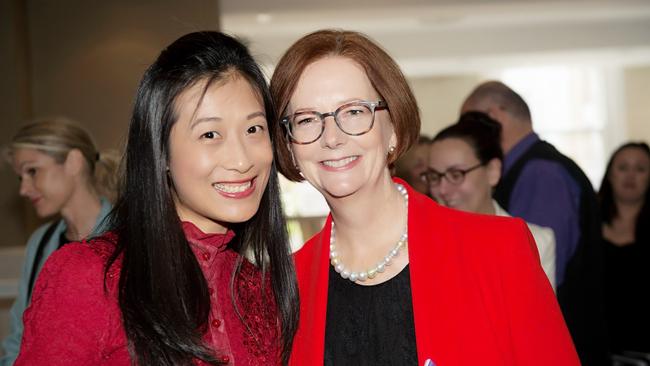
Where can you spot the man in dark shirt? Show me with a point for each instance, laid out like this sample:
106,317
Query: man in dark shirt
546,188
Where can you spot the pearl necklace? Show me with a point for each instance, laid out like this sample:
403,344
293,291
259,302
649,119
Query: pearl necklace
381,265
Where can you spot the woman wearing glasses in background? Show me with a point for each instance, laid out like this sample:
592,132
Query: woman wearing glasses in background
393,278
465,166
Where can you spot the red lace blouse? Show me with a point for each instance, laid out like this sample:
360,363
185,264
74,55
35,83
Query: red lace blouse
72,321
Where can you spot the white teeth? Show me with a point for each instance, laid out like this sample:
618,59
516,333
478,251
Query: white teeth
232,188
341,162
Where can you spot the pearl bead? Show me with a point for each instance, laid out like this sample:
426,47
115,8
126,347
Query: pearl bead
381,265
362,276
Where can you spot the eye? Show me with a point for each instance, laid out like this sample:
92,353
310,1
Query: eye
455,175
304,121
31,171
255,129
210,135
354,112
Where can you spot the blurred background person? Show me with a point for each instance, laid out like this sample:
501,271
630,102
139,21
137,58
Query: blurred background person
62,174
624,202
413,163
544,187
464,167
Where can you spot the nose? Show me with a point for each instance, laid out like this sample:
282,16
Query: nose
332,135
443,189
24,188
238,156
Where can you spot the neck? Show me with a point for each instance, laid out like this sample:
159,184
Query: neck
628,210
80,214
487,207
508,142
370,220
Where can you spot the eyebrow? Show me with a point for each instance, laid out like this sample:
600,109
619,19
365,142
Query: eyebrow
28,162
345,101
198,121
219,119
255,115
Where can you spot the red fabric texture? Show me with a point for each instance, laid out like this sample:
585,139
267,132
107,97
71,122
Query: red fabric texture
72,321
480,296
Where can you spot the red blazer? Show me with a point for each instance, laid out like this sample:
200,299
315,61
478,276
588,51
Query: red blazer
480,296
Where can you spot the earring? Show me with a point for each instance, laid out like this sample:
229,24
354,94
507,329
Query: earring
391,149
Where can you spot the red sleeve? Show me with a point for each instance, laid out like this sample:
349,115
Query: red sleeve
68,321
538,331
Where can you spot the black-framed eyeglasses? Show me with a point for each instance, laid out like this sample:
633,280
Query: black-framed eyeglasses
354,119
454,176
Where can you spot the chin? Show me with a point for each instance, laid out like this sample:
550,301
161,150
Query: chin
339,192
340,188
43,212
237,216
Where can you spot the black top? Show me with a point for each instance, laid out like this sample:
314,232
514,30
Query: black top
627,297
370,325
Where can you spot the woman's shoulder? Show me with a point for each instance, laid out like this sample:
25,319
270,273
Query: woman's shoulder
311,245
475,238
86,259
437,217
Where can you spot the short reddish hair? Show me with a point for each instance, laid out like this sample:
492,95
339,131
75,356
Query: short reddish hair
382,71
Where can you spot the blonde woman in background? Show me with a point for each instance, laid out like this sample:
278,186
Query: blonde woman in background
63,175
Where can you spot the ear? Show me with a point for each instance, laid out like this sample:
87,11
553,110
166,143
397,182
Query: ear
493,168
495,112
393,137
293,157
74,162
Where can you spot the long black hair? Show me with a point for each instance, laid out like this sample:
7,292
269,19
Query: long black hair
606,193
480,132
163,295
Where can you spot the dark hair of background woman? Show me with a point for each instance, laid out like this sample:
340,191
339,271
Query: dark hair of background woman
606,193
163,295
480,132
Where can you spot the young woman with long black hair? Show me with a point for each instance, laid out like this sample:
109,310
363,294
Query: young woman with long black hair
171,285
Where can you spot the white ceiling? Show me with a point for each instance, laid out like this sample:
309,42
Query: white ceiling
445,36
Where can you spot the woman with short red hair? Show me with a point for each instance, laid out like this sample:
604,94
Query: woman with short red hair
393,278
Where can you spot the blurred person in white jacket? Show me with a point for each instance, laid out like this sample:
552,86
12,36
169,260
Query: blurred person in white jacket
465,162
